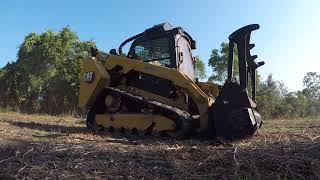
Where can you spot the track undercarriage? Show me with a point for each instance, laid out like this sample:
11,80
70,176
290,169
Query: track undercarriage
125,112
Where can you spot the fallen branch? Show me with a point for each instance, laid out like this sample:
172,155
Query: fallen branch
234,155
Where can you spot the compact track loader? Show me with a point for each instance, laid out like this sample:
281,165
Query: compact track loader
152,88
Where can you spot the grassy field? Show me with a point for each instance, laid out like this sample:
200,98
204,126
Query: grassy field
35,146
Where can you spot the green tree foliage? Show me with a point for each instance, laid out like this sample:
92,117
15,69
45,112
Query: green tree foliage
219,61
311,84
311,90
270,97
295,105
276,102
200,68
45,76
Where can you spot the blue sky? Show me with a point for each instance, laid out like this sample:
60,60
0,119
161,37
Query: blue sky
287,40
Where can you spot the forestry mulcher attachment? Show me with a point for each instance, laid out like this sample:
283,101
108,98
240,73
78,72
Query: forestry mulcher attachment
153,90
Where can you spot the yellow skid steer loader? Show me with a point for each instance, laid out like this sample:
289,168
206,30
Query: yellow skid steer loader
152,88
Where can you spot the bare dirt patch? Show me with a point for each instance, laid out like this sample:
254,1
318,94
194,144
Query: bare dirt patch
37,146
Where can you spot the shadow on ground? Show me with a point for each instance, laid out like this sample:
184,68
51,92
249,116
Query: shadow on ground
123,138
48,127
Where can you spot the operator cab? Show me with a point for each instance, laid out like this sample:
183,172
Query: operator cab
166,46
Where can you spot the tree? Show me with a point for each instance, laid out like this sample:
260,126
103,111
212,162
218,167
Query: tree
311,83
200,68
219,62
45,77
295,105
271,98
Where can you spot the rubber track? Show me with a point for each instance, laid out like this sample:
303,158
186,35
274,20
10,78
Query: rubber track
182,118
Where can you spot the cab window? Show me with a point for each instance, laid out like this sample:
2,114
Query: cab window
154,51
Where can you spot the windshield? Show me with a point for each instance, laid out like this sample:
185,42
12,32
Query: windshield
154,51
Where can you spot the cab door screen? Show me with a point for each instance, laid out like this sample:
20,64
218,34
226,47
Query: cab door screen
154,51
